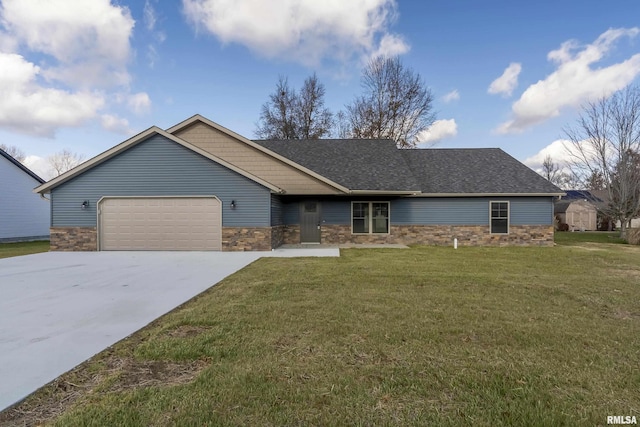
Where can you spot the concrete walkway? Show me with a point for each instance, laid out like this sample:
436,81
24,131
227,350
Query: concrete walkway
58,309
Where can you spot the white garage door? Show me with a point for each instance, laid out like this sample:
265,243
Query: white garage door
160,224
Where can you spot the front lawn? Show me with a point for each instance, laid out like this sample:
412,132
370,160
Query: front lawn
23,248
580,237
421,336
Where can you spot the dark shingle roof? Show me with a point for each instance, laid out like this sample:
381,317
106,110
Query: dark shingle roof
378,165
358,164
474,170
21,166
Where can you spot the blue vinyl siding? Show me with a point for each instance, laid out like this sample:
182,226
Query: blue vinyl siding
444,211
336,212
469,211
291,212
277,215
160,167
436,211
23,213
531,211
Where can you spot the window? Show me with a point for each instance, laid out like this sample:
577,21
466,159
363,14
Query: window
499,217
370,217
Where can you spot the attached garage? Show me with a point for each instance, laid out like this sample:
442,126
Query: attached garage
160,223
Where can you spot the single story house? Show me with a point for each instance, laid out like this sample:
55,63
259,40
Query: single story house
200,186
23,215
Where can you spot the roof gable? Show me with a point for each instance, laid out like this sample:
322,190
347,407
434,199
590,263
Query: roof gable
283,171
20,166
131,142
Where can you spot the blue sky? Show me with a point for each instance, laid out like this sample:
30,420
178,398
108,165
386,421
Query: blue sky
86,75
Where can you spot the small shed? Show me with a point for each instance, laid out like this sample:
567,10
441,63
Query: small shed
579,215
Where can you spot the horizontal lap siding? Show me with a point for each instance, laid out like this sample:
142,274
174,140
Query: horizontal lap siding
437,211
532,211
160,167
469,211
276,211
22,212
336,212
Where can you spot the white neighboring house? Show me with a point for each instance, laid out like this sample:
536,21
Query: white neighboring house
24,215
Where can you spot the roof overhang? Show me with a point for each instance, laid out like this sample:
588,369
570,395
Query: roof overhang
385,192
489,194
154,130
198,118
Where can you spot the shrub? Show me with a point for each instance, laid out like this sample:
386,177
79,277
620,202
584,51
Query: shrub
633,236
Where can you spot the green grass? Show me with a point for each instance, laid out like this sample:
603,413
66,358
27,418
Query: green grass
23,248
579,237
422,336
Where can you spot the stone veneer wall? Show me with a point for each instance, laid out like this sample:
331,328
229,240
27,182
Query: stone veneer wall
277,235
443,235
73,239
291,234
246,238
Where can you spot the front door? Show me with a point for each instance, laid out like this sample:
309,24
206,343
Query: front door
310,222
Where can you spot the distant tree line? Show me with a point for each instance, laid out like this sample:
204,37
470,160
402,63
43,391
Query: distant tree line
604,154
395,104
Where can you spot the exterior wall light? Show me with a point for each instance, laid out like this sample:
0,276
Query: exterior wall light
84,205
233,204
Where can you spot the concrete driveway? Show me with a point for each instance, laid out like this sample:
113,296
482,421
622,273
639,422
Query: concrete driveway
58,309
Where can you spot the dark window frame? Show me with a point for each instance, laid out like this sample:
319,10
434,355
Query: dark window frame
499,217
371,222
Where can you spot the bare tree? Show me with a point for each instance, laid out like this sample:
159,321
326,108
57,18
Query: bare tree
551,171
64,160
312,119
277,119
396,103
559,175
605,143
341,126
14,152
293,115
595,181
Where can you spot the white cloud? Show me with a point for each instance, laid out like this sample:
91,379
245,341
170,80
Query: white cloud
439,130
115,124
139,103
575,81
454,95
507,82
82,48
81,35
391,45
150,19
28,107
556,150
307,31
40,166
149,16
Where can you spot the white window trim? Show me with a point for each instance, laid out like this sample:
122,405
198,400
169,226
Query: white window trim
508,217
371,217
